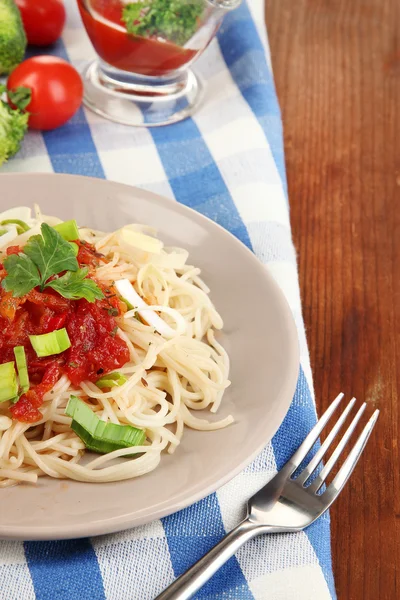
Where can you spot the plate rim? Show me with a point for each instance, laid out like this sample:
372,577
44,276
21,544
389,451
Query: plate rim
127,521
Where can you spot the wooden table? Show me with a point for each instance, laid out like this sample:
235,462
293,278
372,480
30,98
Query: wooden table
337,69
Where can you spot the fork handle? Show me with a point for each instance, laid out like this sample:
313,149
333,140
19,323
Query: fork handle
190,582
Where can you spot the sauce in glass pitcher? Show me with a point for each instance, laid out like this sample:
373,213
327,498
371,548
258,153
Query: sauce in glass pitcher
151,56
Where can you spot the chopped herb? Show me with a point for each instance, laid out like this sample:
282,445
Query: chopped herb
74,365
114,332
113,312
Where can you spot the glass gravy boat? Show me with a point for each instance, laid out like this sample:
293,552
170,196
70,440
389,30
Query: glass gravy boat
145,50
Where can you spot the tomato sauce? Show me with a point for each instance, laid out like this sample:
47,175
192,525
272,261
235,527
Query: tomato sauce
95,347
131,53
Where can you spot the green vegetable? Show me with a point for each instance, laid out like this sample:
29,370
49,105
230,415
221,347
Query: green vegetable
22,367
13,125
22,276
75,285
20,96
21,225
131,307
173,20
111,380
12,36
128,304
75,248
48,344
15,399
68,230
50,253
98,435
8,381
44,256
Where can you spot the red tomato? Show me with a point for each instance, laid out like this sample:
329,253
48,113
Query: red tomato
26,409
43,20
13,250
57,90
95,348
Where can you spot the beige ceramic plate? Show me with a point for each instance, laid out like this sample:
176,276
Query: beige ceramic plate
260,337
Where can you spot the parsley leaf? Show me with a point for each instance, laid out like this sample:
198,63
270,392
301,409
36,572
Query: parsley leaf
50,253
74,285
22,275
44,256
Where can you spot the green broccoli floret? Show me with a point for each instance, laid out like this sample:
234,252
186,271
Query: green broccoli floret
13,125
12,36
173,20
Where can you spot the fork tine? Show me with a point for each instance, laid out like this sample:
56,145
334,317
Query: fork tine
348,466
318,481
312,437
314,462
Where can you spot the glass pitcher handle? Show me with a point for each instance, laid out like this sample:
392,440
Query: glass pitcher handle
226,4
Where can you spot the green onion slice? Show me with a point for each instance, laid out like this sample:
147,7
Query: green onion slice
111,380
68,230
21,225
97,435
48,344
8,382
22,367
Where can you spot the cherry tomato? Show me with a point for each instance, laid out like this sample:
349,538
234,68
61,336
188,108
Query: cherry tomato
57,90
43,20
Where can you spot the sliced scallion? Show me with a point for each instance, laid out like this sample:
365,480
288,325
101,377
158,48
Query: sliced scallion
22,367
21,225
8,382
132,299
68,230
97,435
111,380
48,344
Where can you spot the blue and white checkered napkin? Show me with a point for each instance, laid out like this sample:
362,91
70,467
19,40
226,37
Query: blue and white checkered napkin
226,162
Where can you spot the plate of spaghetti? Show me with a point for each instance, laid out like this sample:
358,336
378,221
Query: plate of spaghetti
146,356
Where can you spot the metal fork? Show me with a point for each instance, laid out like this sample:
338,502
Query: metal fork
287,502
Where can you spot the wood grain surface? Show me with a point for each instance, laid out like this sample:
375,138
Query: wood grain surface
337,70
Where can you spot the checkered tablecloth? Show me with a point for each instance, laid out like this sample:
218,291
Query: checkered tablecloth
227,162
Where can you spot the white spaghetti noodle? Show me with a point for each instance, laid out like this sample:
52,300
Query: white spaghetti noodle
169,378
